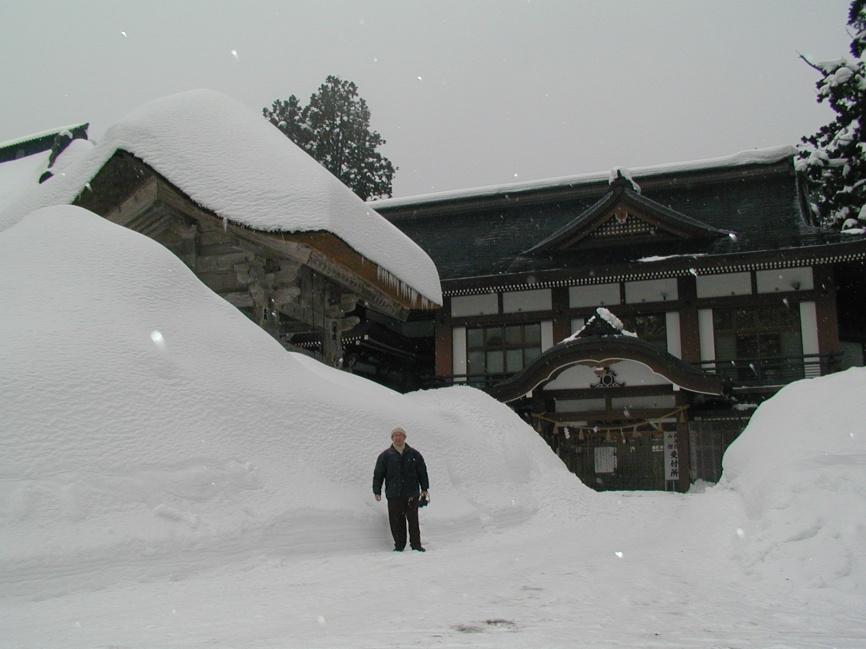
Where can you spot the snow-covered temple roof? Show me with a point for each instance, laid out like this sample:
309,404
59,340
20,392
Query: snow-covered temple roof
229,160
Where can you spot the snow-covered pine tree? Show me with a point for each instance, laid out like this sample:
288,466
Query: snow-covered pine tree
334,128
834,158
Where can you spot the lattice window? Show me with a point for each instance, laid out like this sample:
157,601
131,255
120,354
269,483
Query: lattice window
622,224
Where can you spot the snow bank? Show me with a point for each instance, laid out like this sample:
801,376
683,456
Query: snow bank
800,468
16,176
146,423
230,160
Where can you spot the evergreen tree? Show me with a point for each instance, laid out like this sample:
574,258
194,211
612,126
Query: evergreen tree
834,158
334,128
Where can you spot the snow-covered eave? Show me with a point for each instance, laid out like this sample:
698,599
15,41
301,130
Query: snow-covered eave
764,156
385,280
42,134
370,271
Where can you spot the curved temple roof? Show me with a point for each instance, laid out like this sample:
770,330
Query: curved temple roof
600,349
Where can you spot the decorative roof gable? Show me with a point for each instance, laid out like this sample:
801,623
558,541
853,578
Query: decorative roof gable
624,216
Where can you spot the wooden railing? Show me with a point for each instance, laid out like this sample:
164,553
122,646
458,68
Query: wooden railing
743,372
756,372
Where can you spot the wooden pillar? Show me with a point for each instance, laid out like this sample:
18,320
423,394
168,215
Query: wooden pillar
332,335
826,311
690,338
561,319
444,364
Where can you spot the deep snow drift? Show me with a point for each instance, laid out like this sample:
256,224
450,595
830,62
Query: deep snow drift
144,416
800,469
171,477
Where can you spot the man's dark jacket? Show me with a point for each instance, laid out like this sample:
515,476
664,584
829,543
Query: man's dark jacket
402,473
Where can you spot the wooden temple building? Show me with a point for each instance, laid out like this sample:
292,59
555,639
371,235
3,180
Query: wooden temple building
717,268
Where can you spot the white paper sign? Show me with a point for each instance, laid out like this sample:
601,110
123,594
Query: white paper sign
672,456
605,459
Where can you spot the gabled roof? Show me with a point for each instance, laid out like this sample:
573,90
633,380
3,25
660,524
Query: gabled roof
639,216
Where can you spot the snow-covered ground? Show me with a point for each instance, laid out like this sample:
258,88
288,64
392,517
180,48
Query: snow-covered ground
170,477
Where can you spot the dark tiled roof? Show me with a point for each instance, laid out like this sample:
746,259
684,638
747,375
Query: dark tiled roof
466,237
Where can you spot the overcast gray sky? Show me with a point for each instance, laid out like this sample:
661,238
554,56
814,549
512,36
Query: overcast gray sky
466,93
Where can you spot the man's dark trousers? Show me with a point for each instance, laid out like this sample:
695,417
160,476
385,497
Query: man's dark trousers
401,511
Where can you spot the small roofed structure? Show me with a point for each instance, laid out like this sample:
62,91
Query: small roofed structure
259,221
607,375
602,342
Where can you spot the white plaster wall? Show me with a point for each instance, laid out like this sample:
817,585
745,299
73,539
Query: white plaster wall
546,334
575,377
595,295
464,305
785,280
536,300
672,326
577,324
458,349
724,284
629,372
636,374
809,327
707,334
652,290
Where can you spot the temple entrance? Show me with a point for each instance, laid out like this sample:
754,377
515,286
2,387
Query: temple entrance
627,454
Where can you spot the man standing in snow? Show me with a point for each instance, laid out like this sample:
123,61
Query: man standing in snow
404,473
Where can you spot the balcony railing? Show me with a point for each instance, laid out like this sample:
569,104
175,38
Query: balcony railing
770,372
740,373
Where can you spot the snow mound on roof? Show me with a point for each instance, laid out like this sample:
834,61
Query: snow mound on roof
147,423
233,162
800,468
